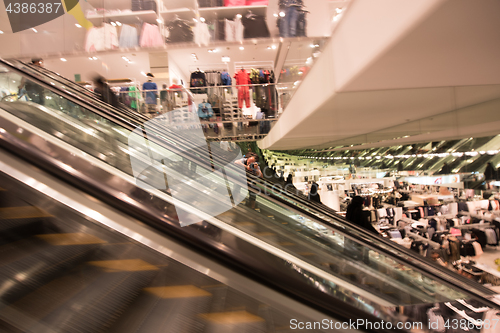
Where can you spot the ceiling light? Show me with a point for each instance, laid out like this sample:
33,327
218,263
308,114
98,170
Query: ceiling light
238,16
118,24
195,20
77,25
143,73
268,47
159,20
34,30
1,32
90,58
95,58
282,14
339,10
273,47
312,46
275,15
226,59
202,19
114,24
242,48
63,59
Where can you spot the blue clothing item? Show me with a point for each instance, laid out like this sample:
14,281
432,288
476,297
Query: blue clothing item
225,78
150,96
291,19
205,111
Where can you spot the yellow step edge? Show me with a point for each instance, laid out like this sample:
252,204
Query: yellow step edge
245,224
24,212
264,234
125,265
232,317
286,244
71,239
306,254
187,291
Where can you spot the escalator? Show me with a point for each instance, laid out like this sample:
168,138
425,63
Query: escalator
287,248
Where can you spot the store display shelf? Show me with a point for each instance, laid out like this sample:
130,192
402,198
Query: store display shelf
176,4
182,13
148,16
210,13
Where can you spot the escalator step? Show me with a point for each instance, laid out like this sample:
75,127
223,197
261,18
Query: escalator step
125,265
187,291
166,309
70,239
29,272
233,321
26,212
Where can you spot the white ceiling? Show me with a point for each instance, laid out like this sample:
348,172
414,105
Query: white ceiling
399,71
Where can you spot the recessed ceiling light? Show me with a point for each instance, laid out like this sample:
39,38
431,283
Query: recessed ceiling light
63,59
273,47
34,30
118,23
77,25
159,20
95,58
202,19
242,48
113,24
1,32
90,58
238,16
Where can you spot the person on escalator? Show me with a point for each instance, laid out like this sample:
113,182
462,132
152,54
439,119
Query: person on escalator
354,214
313,193
34,91
104,92
251,164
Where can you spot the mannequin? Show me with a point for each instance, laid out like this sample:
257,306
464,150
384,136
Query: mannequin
151,93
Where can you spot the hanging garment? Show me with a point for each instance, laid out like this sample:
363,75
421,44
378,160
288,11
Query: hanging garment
242,78
201,34
102,38
234,3
255,26
229,31
128,36
179,31
150,36
205,111
198,79
238,29
225,78
134,96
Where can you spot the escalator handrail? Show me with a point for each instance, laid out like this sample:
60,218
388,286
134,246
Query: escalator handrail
367,237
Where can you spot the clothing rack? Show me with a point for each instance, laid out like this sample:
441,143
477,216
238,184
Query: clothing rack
481,217
423,239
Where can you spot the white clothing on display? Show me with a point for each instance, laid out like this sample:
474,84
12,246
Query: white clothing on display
201,34
102,38
128,36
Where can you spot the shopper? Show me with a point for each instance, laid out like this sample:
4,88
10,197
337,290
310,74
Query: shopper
251,164
313,193
289,182
355,214
104,92
35,92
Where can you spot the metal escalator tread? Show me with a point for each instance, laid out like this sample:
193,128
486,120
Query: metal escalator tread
101,303
26,212
32,271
